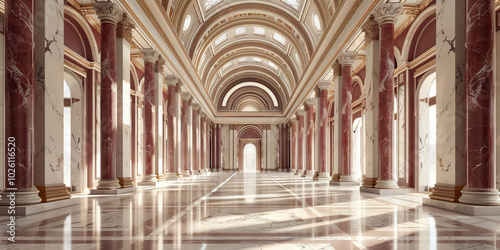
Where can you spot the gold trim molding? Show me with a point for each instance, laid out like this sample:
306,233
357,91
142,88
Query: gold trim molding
75,68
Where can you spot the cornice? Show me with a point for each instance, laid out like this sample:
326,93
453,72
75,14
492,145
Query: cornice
75,68
68,53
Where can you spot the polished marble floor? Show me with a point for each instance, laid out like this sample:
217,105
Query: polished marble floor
252,211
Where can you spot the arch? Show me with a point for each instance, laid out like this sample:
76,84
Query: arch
253,129
94,48
429,11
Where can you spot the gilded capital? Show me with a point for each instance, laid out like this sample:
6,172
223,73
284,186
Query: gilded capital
324,85
149,55
125,28
108,12
371,30
387,12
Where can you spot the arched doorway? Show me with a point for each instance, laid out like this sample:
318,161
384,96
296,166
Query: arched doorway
426,133
250,158
75,176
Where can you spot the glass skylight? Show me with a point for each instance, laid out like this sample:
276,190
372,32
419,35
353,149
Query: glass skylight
259,30
211,3
293,3
317,22
279,38
187,23
240,31
220,39
242,60
272,65
256,59
226,66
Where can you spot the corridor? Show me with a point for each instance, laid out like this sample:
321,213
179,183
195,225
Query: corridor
232,210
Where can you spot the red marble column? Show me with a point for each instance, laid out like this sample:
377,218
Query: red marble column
346,172
171,81
19,102
219,147
281,147
150,57
480,187
195,147
186,100
310,102
212,144
286,137
202,142
300,147
109,14
386,17
322,110
293,147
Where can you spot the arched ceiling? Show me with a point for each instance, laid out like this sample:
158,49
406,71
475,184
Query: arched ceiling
267,42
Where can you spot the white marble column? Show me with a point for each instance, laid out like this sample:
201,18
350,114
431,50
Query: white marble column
49,56
337,129
309,128
178,121
450,104
323,129
158,126
293,146
370,123
124,133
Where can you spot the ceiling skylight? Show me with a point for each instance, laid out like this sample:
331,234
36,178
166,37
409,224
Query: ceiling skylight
240,31
292,3
256,59
211,3
259,30
220,39
242,60
272,65
226,66
187,23
317,22
279,38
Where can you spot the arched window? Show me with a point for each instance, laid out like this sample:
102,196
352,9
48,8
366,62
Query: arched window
187,23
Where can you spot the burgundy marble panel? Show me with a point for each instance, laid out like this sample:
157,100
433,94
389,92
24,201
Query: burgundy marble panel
386,101
149,120
346,119
480,81
20,91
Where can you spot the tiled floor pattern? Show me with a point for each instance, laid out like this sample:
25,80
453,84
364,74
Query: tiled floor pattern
252,211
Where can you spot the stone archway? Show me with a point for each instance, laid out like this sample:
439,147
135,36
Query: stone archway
250,134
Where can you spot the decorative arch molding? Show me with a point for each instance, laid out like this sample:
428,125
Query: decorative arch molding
94,49
429,11
250,128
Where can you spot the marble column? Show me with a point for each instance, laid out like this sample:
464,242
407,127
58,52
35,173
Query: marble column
219,147
20,102
346,172
450,106
310,103
195,133
337,128
323,130
186,101
281,148
124,133
49,106
202,150
109,14
372,43
300,147
385,16
293,146
150,57
480,186
158,118
178,124
171,81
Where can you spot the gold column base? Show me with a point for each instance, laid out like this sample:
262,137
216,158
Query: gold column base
369,182
446,192
126,182
53,193
336,177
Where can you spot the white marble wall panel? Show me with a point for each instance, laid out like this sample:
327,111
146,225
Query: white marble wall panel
356,156
450,61
77,170
401,132
49,56
124,135
233,154
371,117
140,141
226,147
423,147
273,147
158,125
2,90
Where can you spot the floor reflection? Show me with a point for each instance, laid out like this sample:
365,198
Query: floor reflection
253,211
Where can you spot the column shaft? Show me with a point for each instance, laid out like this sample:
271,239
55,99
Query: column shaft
149,121
323,130
171,135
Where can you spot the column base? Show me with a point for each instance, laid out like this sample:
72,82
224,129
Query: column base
148,180
293,171
347,178
480,196
160,177
322,176
389,191
108,184
297,172
53,192
336,177
21,196
387,184
126,182
39,207
369,182
345,183
186,173
461,208
446,192
171,176
113,191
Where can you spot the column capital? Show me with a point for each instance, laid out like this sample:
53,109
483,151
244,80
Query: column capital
160,64
125,28
171,80
337,68
371,30
301,112
387,12
324,85
149,55
196,106
186,96
293,120
108,12
311,101
202,114
348,58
